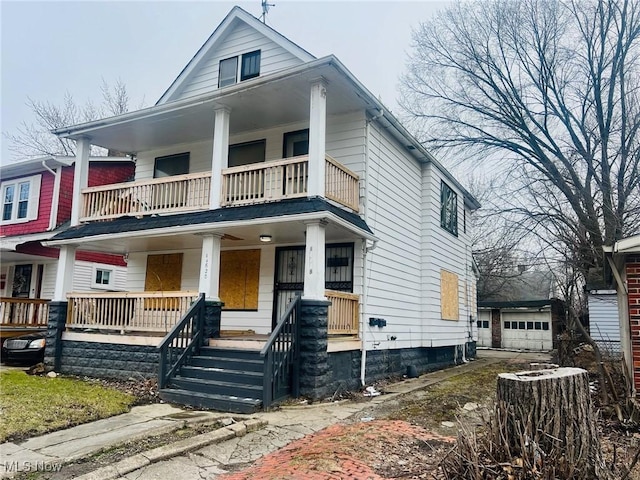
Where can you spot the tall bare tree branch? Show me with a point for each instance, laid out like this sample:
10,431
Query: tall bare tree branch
551,88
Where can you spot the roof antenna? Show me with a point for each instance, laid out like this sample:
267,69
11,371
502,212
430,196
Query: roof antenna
265,10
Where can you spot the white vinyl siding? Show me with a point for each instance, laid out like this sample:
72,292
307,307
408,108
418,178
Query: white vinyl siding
241,39
604,322
443,251
344,142
393,267
82,277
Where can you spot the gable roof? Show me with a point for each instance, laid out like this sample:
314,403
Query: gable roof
236,15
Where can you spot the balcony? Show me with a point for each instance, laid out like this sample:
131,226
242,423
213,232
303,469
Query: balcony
176,194
245,185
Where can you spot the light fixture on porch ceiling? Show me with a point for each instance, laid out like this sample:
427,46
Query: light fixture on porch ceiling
265,238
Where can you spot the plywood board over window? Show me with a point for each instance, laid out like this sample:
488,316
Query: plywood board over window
239,279
164,274
449,295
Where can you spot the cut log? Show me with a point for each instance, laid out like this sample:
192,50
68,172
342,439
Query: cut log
546,415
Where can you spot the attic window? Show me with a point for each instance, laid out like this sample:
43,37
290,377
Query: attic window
228,71
250,65
250,68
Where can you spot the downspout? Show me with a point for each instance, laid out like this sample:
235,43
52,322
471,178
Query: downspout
363,314
55,196
365,283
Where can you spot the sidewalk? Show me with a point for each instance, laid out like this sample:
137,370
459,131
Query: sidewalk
238,444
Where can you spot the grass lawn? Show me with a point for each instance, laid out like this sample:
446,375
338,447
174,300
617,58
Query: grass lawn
33,405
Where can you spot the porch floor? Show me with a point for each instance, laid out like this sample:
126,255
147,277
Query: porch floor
255,341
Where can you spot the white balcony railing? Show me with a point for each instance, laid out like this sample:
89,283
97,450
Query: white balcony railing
265,182
282,179
245,185
128,311
179,193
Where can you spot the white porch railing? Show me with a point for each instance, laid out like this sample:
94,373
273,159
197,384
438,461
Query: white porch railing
23,312
265,182
341,184
344,313
245,185
128,311
282,179
179,193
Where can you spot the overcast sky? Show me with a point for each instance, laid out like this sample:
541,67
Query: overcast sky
49,48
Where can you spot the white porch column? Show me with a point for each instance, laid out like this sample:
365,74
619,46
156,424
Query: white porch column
314,263
317,134
64,274
220,157
210,267
80,177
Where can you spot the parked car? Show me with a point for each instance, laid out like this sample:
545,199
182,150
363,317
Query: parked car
25,349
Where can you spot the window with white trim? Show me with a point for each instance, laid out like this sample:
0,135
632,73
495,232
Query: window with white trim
102,278
20,199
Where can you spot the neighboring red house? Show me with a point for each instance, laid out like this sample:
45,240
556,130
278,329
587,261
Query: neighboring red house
36,204
624,258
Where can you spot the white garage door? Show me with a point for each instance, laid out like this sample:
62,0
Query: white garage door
484,328
527,330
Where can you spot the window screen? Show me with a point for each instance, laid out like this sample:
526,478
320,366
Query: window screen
228,73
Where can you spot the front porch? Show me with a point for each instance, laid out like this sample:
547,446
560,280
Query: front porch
154,314
22,315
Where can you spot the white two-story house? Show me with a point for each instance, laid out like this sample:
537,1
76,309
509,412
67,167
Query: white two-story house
278,203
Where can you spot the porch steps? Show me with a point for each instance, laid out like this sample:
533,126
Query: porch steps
225,379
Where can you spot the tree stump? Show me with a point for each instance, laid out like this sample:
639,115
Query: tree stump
546,416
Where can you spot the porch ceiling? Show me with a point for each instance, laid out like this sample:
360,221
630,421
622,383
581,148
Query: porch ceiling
255,104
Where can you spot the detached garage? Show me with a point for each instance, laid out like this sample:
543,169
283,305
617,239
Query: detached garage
526,325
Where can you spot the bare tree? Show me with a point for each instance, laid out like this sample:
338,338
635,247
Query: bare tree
497,241
551,89
35,138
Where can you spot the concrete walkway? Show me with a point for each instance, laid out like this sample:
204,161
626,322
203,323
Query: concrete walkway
208,455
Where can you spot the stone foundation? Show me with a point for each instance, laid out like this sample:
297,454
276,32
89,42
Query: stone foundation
109,360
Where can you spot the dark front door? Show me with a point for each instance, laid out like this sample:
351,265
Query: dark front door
22,281
289,274
289,279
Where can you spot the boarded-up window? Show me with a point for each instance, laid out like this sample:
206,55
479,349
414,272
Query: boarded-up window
239,279
449,295
164,274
